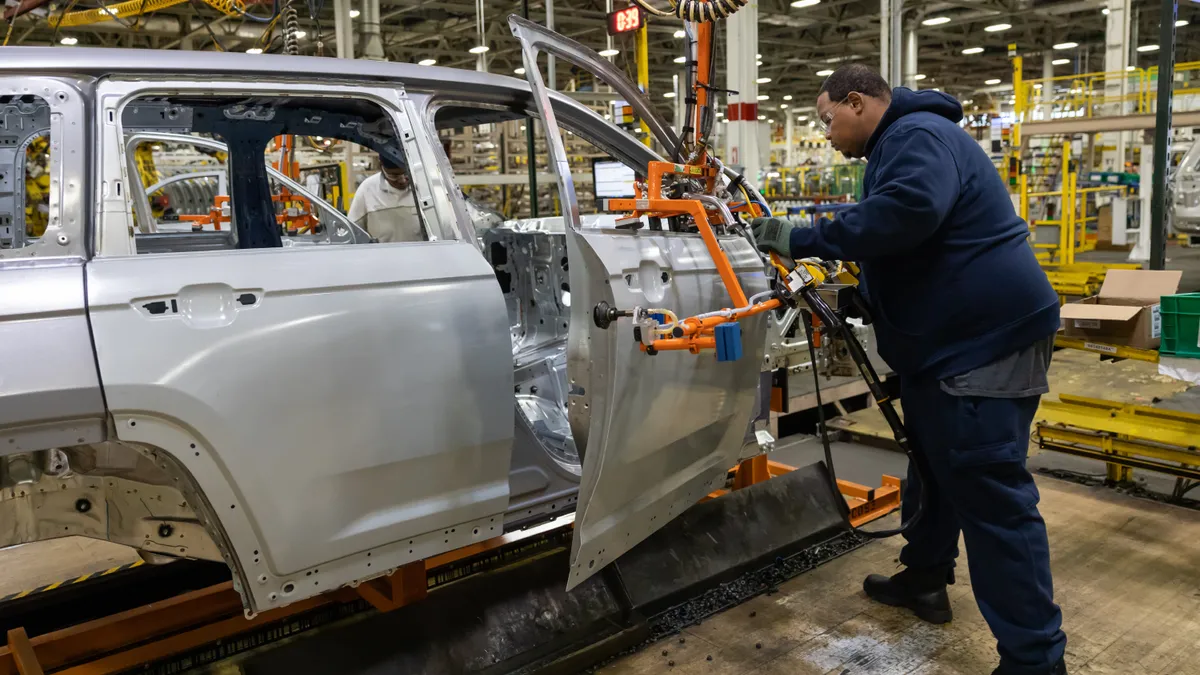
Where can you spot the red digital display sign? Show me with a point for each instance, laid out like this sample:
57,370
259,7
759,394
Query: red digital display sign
625,20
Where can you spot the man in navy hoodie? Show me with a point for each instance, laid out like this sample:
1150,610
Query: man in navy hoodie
965,316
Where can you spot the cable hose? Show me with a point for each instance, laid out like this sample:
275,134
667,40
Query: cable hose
291,27
917,460
697,10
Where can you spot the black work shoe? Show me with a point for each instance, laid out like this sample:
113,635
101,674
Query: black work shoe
1059,668
922,591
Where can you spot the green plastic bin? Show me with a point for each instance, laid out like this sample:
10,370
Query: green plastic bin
1181,325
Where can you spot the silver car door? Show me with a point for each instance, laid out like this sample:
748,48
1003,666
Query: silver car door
341,410
657,433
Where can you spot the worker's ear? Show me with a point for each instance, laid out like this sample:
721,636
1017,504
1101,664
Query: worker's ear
856,102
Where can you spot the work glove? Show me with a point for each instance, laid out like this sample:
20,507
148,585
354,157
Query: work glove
773,234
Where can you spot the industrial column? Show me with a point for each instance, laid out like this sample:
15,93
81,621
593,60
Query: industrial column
1116,59
910,56
790,127
1047,85
343,32
1160,217
741,73
885,37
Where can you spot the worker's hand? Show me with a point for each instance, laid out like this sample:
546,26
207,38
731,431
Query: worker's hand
773,234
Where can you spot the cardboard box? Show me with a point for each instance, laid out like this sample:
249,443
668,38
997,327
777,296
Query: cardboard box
1127,310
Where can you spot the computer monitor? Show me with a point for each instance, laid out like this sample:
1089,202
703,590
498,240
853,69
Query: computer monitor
612,179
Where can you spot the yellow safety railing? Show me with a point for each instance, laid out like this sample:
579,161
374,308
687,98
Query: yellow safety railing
1091,95
130,8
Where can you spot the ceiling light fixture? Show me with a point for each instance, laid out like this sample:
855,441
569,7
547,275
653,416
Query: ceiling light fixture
787,97
679,34
935,21
668,94
762,117
300,35
770,121
758,64
1104,11
1181,23
354,13
519,71
609,52
801,118
1130,69
680,59
991,81
427,62
764,97
763,80
758,57
71,41
919,76
800,4
1148,48
254,50
479,49
1060,62
997,27
824,73
1066,45
783,106
973,50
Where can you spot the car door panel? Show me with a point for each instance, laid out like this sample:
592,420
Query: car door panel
657,432
352,397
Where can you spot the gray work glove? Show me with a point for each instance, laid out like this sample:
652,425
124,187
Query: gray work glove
773,234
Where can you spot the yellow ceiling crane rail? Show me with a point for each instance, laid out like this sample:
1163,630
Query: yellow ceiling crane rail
122,10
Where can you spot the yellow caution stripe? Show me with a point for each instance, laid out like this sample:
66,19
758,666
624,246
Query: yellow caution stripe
71,582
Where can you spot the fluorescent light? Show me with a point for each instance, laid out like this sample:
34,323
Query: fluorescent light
788,97
1148,48
824,73
770,121
1060,62
679,34
1037,86
680,59
936,21
973,50
354,13
427,62
783,106
300,35
1066,45
764,97
720,114
70,41
609,52
668,94
763,80
799,4
801,118
1181,23
479,49
1130,69
758,56
519,71
758,64
762,117
254,50
919,76
1104,11
991,81
997,27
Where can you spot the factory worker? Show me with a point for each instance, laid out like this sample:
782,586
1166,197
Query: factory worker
384,204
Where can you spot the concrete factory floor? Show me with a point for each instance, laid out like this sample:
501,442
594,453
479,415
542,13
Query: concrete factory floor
1124,574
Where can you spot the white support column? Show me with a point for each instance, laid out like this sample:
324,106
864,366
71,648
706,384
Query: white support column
1116,59
1047,86
741,73
910,57
342,30
885,36
790,127
551,61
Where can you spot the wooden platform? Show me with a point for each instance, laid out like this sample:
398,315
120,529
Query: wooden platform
1124,572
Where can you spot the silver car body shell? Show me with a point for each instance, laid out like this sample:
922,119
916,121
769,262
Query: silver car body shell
302,503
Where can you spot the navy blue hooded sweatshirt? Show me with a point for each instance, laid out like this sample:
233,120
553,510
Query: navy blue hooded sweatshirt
951,280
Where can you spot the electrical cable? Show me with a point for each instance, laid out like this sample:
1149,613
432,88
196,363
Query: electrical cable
8,34
245,14
291,26
821,310
208,27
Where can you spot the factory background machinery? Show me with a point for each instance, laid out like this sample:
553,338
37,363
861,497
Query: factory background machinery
1089,110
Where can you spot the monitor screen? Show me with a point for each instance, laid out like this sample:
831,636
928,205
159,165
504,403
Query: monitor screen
612,179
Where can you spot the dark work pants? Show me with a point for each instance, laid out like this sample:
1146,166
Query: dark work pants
976,450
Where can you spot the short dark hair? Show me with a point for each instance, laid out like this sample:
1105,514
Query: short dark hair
855,77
